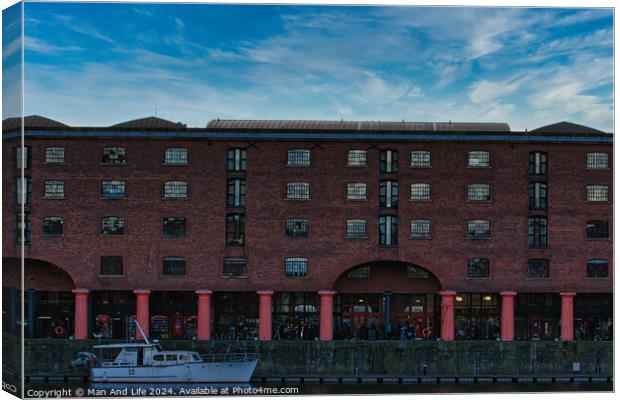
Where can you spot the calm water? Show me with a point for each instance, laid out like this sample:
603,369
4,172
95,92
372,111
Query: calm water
147,390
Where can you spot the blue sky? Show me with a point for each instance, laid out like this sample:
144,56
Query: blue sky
99,64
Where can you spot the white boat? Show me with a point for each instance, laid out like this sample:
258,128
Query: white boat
148,363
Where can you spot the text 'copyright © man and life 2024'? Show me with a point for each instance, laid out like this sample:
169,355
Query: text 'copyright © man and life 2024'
160,391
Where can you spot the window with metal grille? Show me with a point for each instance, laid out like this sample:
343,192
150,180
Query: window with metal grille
597,161
359,273
52,226
537,231
416,273
420,191
478,268
174,266
174,226
478,159
236,160
22,228
298,158
597,230
54,190
356,191
538,195
23,190
537,268
236,193
388,161
296,267
356,228
356,158
235,267
175,156
388,230
175,189
597,193
54,155
420,228
111,266
24,153
420,158
235,229
478,229
298,191
478,192
538,163
297,227
597,268
112,226
388,194
113,189
114,155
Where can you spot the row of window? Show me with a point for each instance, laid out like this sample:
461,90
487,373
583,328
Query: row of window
355,228
297,267
236,192
388,159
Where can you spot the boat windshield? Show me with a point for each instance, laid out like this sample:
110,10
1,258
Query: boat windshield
196,357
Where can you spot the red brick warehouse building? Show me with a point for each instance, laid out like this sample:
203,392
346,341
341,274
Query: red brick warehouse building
309,229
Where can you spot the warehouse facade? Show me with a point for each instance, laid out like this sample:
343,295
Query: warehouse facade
303,230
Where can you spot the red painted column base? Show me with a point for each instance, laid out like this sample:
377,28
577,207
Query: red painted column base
567,331
326,331
80,331
508,315
142,311
447,315
264,314
204,314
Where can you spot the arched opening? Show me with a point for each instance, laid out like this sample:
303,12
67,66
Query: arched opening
49,304
387,300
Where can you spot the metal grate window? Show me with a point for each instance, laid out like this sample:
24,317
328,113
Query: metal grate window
54,190
420,158
52,226
298,158
175,156
296,267
356,191
235,267
357,158
298,191
478,229
417,273
537,231
113,189
112,226
538,268
55,155
174,266
114,155
356,228
236,193
174,226
538,163
597,161
111,266
236,160
420,191
478,192
478,159
420,228
478,268
597,268
359,273
597,193
297,227
597,230
175,189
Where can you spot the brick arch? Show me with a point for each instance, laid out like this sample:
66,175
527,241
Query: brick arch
38,275
387,276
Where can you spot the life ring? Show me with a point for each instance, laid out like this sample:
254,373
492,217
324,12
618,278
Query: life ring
59,331
426,332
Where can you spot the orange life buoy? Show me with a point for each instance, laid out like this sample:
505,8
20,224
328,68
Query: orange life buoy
59,330
426,332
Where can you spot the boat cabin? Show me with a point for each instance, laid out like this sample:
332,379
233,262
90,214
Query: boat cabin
132,355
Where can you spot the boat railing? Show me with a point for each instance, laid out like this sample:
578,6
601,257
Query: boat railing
229,357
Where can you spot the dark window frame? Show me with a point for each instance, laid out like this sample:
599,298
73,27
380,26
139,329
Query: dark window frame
356,233
176,156
54,155
234,267
114,156
420,232
236,159
296,227
107,220
298,158
472,231
597,229
296,267
175,189
538,231
483,265
538,268
388,161
388,200
235,192
594,268
235,229
388,230
538,192
538,163
113,189
174,227
172,265
108,265
47,226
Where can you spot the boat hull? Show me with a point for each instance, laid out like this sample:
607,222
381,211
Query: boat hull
204,372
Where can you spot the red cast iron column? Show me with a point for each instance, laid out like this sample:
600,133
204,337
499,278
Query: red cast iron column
447,314
567,331
327,314
142,311
264,314
204,314
508,315
81,314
